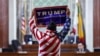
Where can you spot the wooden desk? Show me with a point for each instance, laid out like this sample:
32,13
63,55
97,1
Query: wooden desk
62,54
68,47
30,48
19,54
80,54
64,47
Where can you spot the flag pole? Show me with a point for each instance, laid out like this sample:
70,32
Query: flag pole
24,18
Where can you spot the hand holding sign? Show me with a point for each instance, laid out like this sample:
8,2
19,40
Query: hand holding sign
45,15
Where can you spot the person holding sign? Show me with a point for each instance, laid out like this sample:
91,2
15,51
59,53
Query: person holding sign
50,41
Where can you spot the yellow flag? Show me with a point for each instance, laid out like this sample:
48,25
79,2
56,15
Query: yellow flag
80,25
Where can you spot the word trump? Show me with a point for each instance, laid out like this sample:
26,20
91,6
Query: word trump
44,13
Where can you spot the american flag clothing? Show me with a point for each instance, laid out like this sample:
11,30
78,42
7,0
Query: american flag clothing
49,42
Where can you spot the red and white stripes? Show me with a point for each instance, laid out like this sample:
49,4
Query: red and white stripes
23,26
49,43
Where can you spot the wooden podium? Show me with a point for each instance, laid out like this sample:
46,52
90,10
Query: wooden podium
64,47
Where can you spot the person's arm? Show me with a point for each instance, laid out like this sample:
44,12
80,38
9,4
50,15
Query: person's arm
65,29
37,34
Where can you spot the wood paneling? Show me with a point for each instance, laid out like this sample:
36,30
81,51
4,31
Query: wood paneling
64,47
3,23
62,54
96,23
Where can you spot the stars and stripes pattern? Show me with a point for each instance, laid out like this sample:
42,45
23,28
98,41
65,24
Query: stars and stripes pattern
23,26
65,30
49,42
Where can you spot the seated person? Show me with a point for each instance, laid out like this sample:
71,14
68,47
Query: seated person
81,48
72,39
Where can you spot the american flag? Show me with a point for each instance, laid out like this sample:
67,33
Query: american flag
23,25
23,20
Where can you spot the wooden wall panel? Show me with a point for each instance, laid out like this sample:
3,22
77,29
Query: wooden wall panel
96,23
3,23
